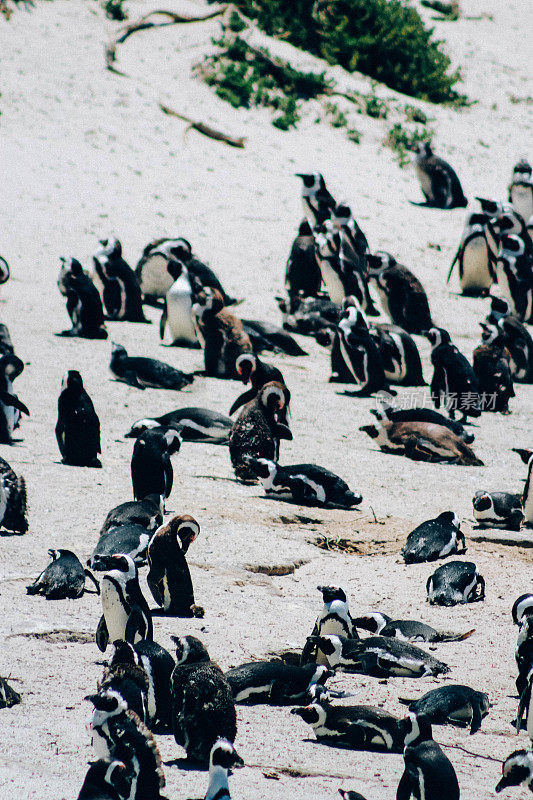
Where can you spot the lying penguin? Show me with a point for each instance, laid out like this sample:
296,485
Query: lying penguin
406,629
141,372
380,656
454,583
147,512
498,510
433,539
385,411
452,705
194,425
13,510
63,578
275,683
304,484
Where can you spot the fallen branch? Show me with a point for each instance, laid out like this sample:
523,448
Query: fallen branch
449,10
470,753
201,127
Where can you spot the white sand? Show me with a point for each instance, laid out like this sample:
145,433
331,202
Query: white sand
86,152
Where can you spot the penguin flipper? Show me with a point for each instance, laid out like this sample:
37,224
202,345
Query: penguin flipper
475,723
163,321
243,398
35,587
455,259
91,577
153,585
137,624
102,635
403,791
283,432
12,400
524,700
130,377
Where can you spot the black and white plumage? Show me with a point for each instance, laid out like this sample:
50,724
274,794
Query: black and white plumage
151,468
428,773
304,484
121,291
4,271
492,365
193,423
401,294
222,758
527,496
521,189
514,270
13,502
498,510
141,372
63,577
169,578
435,538
474,257
302,274
251,369
334,618
342,275
454,583
130,539
308,315
84,305
274,682
517,770
11,407
454,384
125,679
380,656
203,709
78,427
360,352
223,334
177,311
516,339
146,512
406,629
438,180
317,202
106,780
452,705
126,614
522,607
399,355
385,411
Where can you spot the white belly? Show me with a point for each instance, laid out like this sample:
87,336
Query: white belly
522,200
115,615
528,504
425,181
179,311
155,278
333,282
12,414
475,271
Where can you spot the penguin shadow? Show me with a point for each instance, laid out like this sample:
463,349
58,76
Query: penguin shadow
426,204
348,393
96,465
187,765
307,504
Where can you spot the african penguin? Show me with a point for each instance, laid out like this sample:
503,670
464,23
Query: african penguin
399,355
302,274
422,441
151,467
177,312
406,629
474,258
317,202
11,407
516,339
527,497
350,795
130,539
334,618
224,338
13,510
203,708
222,759
78,427
63,577
452,705
438,181
106,780
125,679
251,369
455,582
146,512
275,683
517,770
169,579
84,305
267,336
521,189
194,425
4,270
498,510
402,295
126,614
141,372
428,773
492,365
454,383
434,538
121,291
360,352
514,270
522,607
386,411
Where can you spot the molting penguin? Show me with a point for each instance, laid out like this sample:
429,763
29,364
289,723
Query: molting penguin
169,578
428,773
275,683
438,181
84,305
194,425
106,780
380,656
317,202
222,758
177,312
13,512
334,618
406,629
266,336
498,510
455,582
258,429
63,577
223,335
521,189
126,614
422,441
141,372
304,484
474,258
517,770
151,468
454,382
78,427
251,369
302,275
146,512
452,705
125,679
203,708
386,411
360,352
492,365
122,293
433,539
309,314
402,295
10,406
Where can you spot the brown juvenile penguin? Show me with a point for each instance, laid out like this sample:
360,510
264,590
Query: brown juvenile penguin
423,441
492,365
259,428
223,334
169,578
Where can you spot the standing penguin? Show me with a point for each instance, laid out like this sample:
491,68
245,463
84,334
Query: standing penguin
13,516
438,181
454,382
84,305
527,497
63,577
402,295
258,429
399,355
169,578
10,406
474,258
514,270
223,334
122,293
78,426
250,368
151,468
203,708
177,312
516,338
521,189
492,365
428,773
317,202
126,614
302,275
517,770
334,618
360,352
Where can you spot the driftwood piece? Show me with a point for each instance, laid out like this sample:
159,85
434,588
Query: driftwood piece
201,127
449,10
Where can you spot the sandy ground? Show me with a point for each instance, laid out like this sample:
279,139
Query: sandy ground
86,152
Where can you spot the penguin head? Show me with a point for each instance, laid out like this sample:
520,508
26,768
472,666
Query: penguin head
263,467
74,266
141,426
181,249
331,593
172,440
416,728
224,755
123,653
524,453
423,149
112,773
304,229
492,206
189,650
4,270
522,168
208,301
118,350
72,381
274,396
349,795
112,247
374,622
449,518
330,644
314,714
513,244
482,501
119,562
325,337
437,336
370,430
312,180
245,365
500,306
55,554
319,677
341,215
522,607
175,268
183,527
353,318
489,333
108,703
517,769
378,262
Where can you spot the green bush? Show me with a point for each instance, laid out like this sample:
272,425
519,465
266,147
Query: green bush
114,10
402,140
385,39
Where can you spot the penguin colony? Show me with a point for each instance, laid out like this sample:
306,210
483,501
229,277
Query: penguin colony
145,689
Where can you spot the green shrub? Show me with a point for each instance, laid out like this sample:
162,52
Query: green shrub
374,106
385,39
114,10
336,117
401,141
414,114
